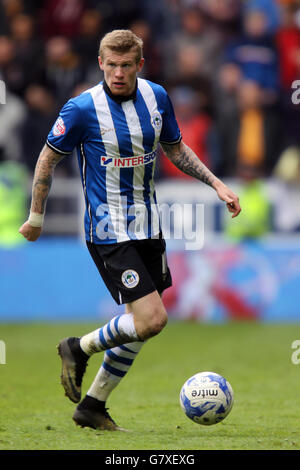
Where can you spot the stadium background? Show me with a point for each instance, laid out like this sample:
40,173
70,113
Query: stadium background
230,67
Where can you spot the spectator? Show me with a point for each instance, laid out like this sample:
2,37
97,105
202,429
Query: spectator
247,87
3,21
251,139
40,115
117,14
252,59
195,49
61,18
288,43
28,49
86,43
224,16
270,10
13,8
12,71
12,116
255,53
153,63
13,202
256,218
167,16
226,114
195,126
62,70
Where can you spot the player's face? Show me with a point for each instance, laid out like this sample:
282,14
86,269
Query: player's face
120,71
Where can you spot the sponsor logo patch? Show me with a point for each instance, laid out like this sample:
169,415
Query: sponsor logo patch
59,127
130,278
127,162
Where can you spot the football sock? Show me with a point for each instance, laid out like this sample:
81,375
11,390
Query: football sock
79,354
117,361
91,403
118,331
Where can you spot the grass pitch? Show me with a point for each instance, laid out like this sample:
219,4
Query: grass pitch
255,358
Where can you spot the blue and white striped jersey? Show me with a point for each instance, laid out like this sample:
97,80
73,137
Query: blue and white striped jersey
116,144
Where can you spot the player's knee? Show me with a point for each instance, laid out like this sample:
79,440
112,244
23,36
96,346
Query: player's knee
157,322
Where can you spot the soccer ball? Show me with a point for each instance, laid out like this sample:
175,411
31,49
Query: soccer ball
206,398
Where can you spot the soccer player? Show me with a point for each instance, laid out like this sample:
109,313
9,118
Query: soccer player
116,127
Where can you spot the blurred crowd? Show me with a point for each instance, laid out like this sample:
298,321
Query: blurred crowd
228,65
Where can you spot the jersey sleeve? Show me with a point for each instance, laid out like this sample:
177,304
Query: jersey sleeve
67,129
170,132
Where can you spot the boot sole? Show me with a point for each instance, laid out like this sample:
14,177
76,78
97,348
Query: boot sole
68,363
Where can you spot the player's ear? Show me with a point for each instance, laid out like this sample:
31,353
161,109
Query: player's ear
141,64
100,62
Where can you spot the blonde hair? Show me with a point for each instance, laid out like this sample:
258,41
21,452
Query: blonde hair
122,41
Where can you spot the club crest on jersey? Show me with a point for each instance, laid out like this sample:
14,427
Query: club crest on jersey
59,127
156,120
127,162
130,278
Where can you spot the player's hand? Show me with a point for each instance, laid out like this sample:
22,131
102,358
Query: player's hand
228,196
30,233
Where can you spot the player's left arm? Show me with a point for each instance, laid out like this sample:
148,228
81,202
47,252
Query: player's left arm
187,161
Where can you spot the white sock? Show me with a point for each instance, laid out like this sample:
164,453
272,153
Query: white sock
116,363
118,331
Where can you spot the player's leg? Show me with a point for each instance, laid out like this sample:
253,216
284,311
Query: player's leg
116,364
149,314
75,352
74,358
146,318
149,321
125,285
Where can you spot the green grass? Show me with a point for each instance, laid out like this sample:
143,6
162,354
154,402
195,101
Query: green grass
255,358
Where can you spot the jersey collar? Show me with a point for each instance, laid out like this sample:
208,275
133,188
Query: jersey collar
118,98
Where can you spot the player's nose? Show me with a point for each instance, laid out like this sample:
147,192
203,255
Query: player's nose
119,72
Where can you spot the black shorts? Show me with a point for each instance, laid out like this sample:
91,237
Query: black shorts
132,269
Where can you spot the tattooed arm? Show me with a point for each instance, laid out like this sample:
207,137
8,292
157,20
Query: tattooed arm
41,185
187,161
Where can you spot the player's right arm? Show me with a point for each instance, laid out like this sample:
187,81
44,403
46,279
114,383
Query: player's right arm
43,174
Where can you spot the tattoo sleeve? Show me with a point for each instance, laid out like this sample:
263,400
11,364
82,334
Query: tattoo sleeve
42,179
187,161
